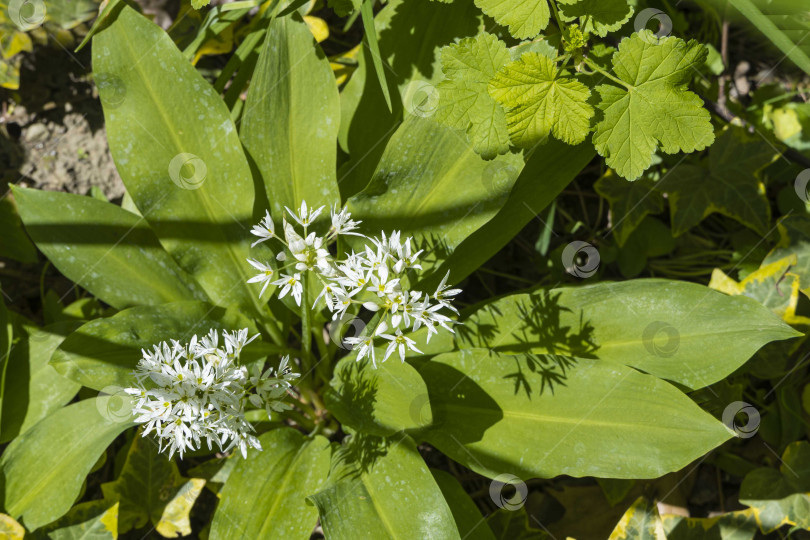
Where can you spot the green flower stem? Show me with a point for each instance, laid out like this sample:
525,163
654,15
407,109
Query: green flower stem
594,66
306,321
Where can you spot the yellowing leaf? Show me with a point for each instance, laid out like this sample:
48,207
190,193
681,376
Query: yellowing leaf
781,497
640,522
541,100
175,519
525,18
150,489
97,520
653,108
772,285
725,182
794,239
10,529
463,99
318,27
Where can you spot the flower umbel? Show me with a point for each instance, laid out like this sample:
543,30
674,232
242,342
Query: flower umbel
377,278
194,392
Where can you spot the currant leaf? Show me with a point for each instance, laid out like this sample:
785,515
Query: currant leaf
725,182
525,18
596,16
540,100
463,99
654,108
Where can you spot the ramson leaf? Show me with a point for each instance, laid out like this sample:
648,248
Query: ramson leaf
541,100
596,16
525,18
654,108
463,99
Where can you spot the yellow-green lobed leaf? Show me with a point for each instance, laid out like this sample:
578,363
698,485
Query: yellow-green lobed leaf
541,100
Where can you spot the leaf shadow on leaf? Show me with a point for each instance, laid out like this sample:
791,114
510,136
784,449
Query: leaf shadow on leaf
355,395
414,22
358,454
539,329
465,394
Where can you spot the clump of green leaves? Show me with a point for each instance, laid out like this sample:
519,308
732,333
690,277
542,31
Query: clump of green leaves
569,94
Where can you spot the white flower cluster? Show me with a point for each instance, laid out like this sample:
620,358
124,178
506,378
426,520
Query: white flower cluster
376,278
307,252
187,393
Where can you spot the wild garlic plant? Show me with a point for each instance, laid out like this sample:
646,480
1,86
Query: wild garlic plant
375,278
198,391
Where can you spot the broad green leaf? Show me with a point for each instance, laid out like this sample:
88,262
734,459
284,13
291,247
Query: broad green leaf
34,389
150,490
596,16
10,529
186,172
386,491
46,466
105,249
463,100
598,419
541,100
794,240
557,164
265,495
291,118
380,400
471,524
725,182
772,285
525,18
675,330
630,202
634,123
92,520
739,525
16,244
640,522
103,352
416,188
780,497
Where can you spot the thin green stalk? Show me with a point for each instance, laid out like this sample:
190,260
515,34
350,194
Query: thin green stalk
594,66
